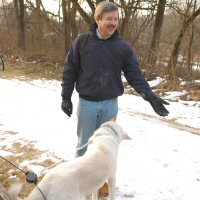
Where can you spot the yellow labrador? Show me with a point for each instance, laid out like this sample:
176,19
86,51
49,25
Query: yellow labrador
84,175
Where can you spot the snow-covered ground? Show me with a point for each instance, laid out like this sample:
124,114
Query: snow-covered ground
161,162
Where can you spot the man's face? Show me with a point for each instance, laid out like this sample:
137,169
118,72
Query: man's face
108,24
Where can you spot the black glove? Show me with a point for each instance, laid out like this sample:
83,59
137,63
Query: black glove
157,104
67,106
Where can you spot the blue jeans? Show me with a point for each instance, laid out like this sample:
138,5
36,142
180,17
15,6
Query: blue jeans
91,114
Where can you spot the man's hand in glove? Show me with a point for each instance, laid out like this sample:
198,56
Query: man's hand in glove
157,104
67,106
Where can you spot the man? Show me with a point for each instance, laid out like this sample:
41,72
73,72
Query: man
96,74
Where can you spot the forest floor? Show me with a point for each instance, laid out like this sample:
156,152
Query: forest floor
28,71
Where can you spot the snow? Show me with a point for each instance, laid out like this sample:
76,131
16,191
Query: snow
161,162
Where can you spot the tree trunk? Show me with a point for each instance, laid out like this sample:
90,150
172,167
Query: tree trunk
64,10
174,56
73,22
88,19
6,17
92,6
157,32
125,19
39,21
189,54
19,11
68,23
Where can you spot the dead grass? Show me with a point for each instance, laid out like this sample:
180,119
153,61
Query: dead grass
10,175
11,132
192,89
20,152
28,71
193,92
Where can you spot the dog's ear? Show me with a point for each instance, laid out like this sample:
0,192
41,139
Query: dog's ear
126,136
121,133
117,129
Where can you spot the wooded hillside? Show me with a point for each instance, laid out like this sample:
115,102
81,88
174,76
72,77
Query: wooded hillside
164,33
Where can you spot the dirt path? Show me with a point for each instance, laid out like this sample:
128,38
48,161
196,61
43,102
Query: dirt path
168,122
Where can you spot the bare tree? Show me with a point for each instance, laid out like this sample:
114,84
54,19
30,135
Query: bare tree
157,32
73,23
127,11
4,12
66,23
49,34
39,21
88,19
176,48
191,33
19,11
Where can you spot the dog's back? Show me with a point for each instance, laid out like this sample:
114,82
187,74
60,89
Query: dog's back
82,176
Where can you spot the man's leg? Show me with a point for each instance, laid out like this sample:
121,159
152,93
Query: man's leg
108,110
87,118
90,116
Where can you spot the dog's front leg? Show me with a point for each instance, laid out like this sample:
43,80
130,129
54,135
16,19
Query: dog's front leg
94,196
111,187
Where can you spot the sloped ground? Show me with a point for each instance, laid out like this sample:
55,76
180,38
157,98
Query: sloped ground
26,151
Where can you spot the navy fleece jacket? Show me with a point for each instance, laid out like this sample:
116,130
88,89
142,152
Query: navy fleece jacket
96,74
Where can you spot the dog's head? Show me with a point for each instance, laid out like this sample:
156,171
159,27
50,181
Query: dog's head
116,129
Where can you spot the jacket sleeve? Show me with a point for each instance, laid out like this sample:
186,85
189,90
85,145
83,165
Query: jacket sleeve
133,74
71,69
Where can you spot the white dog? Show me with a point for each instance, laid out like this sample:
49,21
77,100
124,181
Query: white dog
84,175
